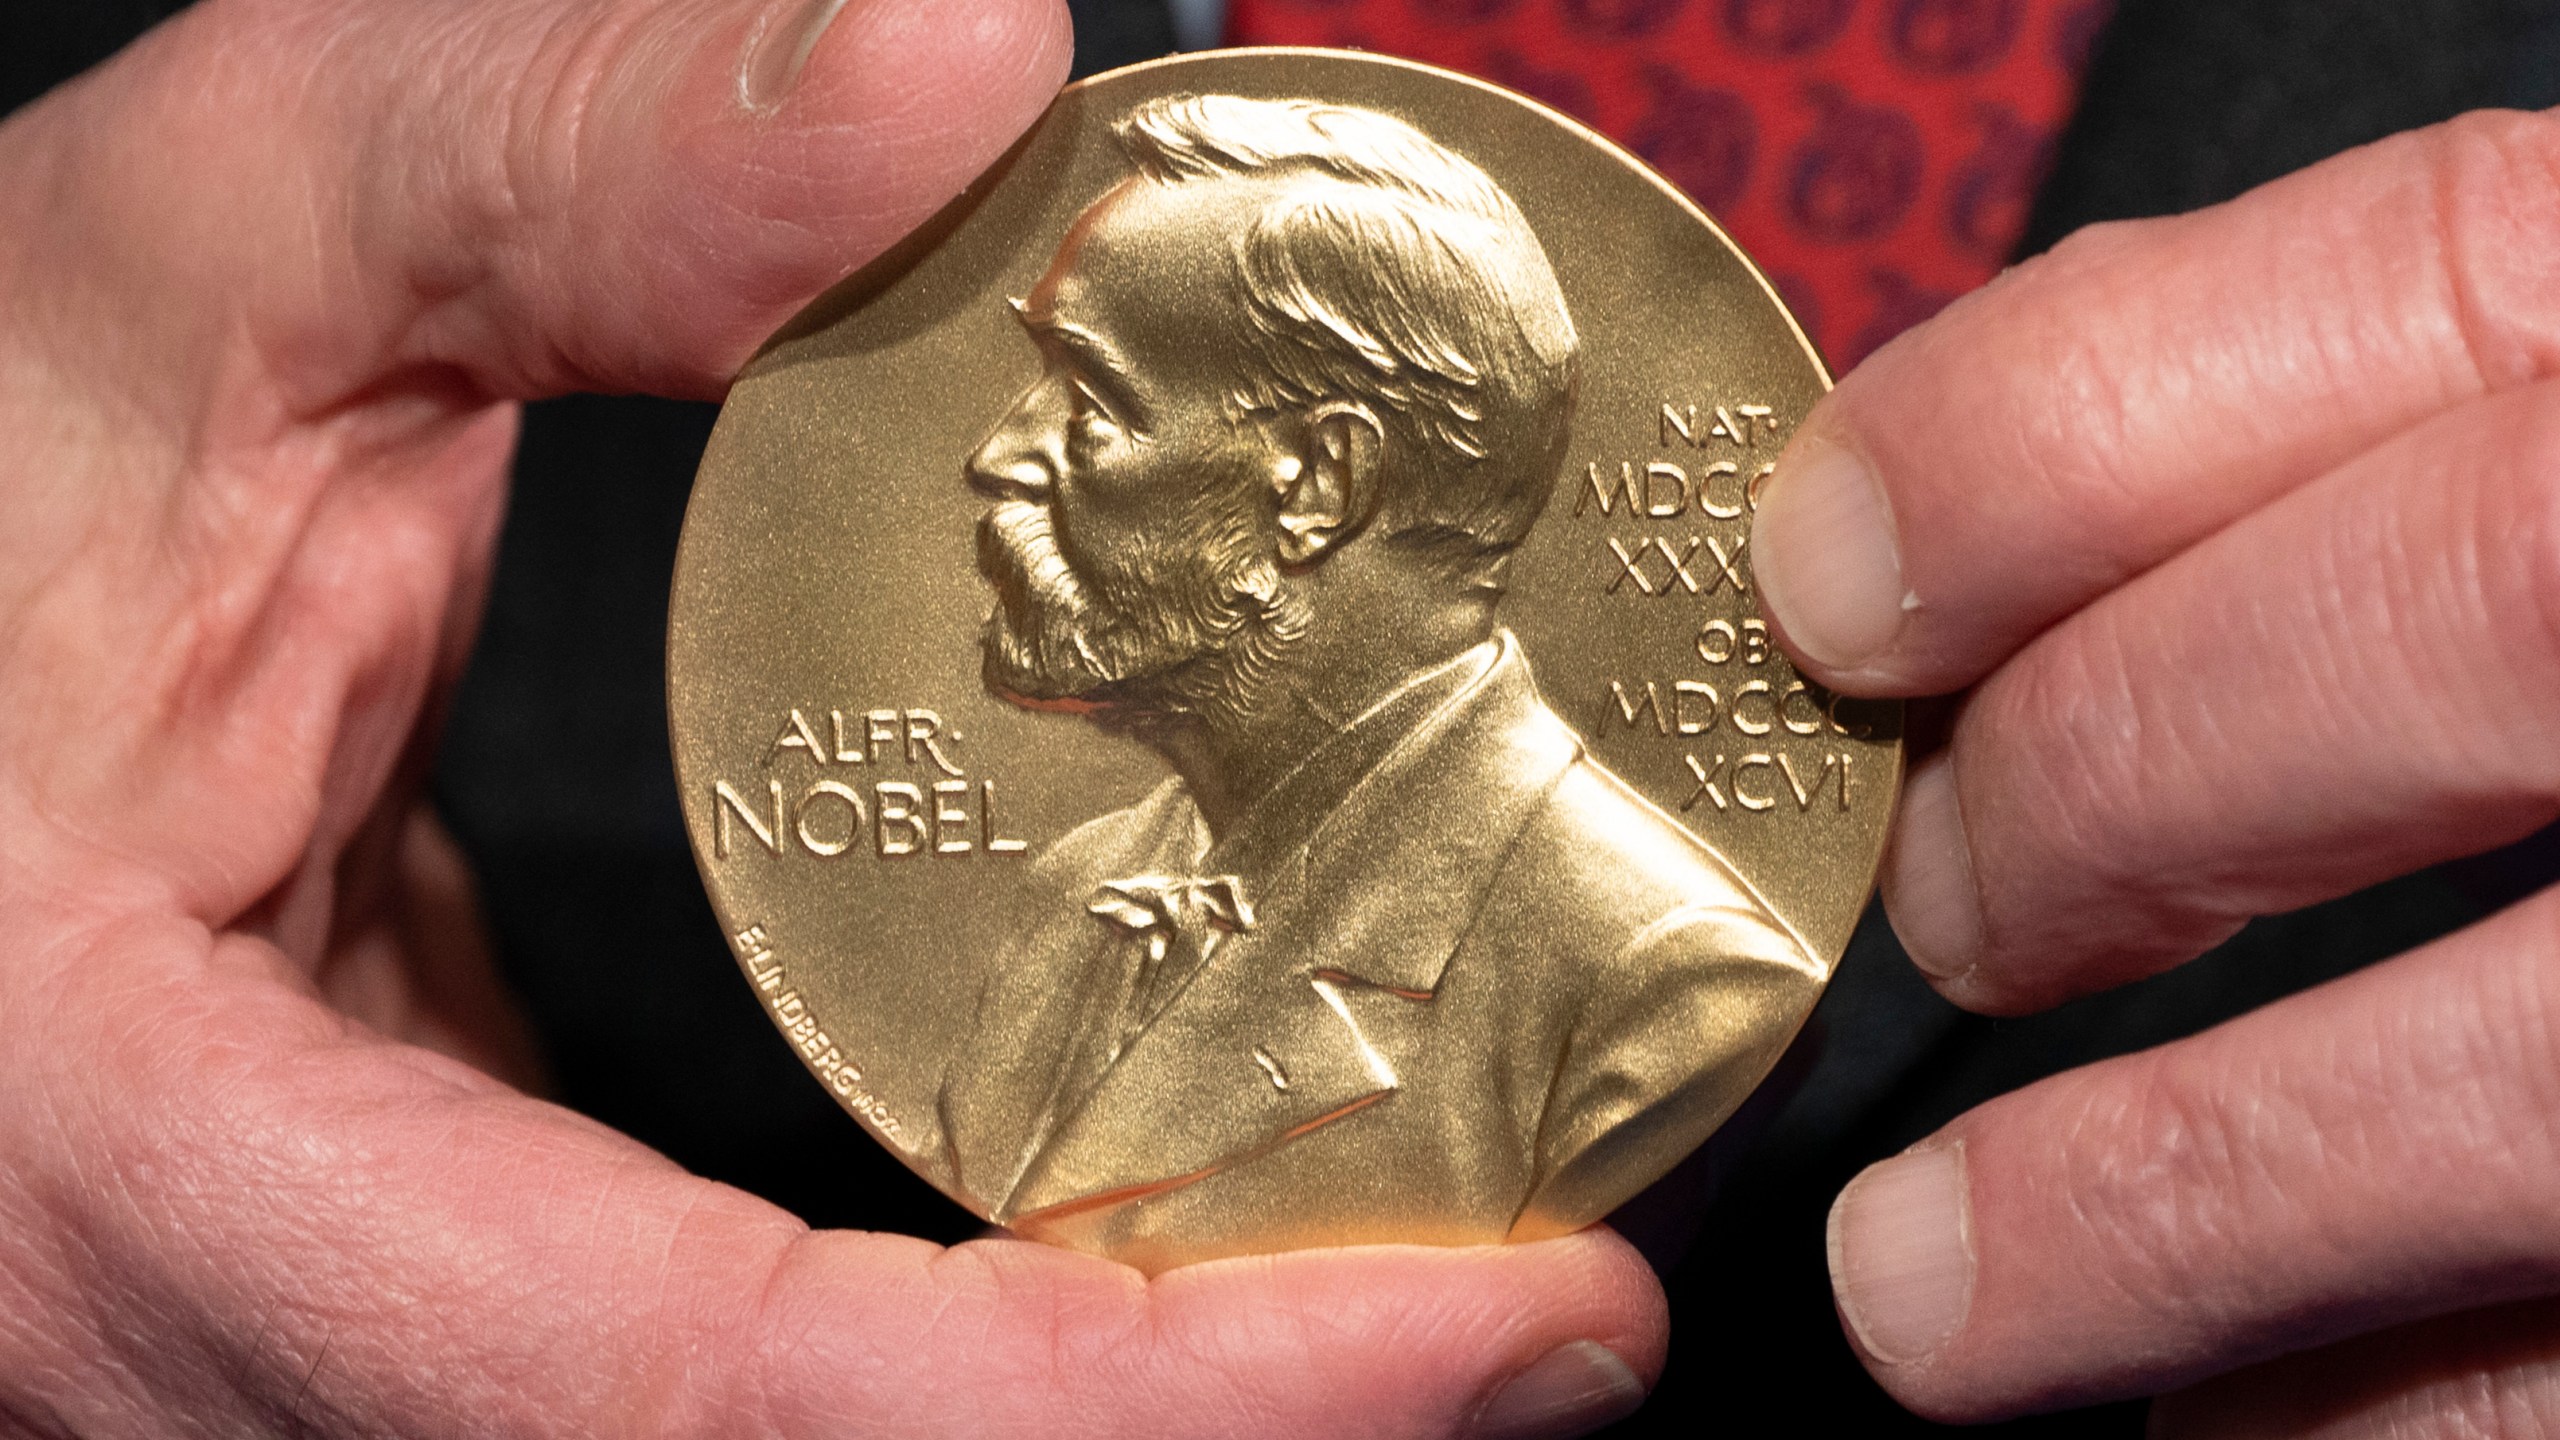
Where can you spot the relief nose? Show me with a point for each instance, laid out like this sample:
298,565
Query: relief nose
1019,459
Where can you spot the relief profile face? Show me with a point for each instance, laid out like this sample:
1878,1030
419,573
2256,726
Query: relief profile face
1125,540
1216,692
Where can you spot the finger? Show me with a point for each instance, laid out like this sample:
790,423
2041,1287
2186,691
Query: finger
289,249
2376,1151
521,198
2488,1372
236,1211
413,960
2349,684
2104,407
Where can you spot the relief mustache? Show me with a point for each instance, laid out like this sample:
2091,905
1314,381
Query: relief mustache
1018,552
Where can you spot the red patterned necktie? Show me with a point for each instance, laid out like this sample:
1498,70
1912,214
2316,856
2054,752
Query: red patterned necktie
1877,157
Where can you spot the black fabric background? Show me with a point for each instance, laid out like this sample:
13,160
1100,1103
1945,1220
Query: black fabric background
555,771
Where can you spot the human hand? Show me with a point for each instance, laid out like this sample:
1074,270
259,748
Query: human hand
273,282
2243,529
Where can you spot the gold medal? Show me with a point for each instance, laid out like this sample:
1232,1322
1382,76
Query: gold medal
1216,689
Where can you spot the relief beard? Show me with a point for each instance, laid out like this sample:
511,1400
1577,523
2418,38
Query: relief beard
1034,640
1126,643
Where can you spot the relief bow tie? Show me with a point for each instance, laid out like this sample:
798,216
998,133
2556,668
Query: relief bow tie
1161,907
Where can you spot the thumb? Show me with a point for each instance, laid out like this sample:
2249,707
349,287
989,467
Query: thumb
524,198
279,245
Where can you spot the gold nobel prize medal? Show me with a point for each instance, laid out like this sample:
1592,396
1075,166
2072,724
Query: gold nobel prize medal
1217,691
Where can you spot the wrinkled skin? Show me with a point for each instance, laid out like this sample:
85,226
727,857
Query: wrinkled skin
272,284
2239,535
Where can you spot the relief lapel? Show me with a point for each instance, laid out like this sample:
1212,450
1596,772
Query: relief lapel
1410,852
1251,1053
1303,1023
1049,1008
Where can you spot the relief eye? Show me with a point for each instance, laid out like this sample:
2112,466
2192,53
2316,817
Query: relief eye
1089,406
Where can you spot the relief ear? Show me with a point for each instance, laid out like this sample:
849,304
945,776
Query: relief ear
1330,488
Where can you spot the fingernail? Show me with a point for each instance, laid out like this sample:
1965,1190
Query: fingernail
779,48
1573,1390
1901,1242
1828,562
1928,881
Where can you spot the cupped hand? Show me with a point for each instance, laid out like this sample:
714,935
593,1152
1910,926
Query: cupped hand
2241,534
271,284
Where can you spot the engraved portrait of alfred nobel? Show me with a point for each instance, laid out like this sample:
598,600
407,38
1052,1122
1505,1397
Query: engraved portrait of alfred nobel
1390,956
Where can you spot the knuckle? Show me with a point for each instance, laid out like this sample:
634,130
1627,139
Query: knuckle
509,116
2496,183
2168,1181
2072,697
2517,559
2536,1029
2497,1075
2098,767
2061,441
2533,483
